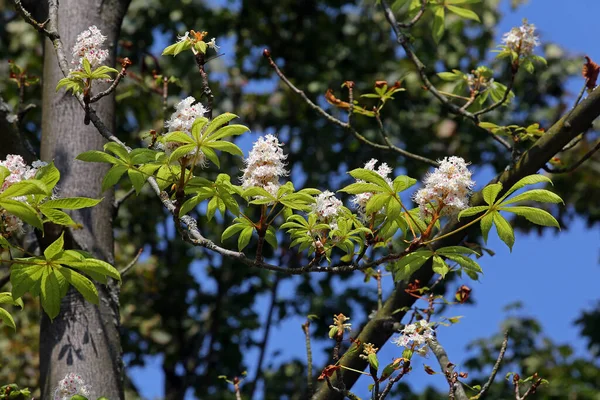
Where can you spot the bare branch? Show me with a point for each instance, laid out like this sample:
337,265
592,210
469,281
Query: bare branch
342,124
456,389
124,65
126,269
490,380
576,165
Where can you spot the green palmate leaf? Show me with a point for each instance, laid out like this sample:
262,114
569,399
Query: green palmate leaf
24,188
469,212
50,291
55,247
191,203
444,251
535,215
465,262
201,46
257,191
490,192
244,238
218,122
438,23
361,187
410,263
49,175
463,12
403,182
486,224
541,195
505,231
97,156
376,202
373,361
113,175
212,207
229,201
453,76
86,66
7,319
370,176
81,283
25,277
89,265
271,236
232,230
439,266
211,155
142,156
488,125
227,147
182,151
198,127
4,173
71,203
117,149
58,217
137,179
22,210
528,180
229,130
178,137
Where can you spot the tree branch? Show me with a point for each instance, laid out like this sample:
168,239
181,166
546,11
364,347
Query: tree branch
490,380
456,389
379,330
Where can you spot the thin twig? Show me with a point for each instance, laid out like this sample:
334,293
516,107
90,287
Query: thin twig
514,70
577,164
201,61
490,380
126,269
118,202
342,124
416,18
265,339
124,65
309,362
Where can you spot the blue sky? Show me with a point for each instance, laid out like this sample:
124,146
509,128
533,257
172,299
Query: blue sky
535,271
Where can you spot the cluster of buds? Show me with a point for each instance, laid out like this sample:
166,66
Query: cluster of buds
361,199
265,165
18,171
339,326
522,40
479,79
182,120
89,46
71,385
415,335
198,37
368,348
446,190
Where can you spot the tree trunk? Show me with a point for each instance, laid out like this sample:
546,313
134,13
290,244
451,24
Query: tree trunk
84,338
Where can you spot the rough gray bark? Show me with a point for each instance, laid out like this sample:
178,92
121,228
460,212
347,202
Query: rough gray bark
84,338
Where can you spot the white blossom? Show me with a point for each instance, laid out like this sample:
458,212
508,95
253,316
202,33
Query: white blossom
18,171
183,38
415,334
446,189
361,199
88,45
521,39
182,120
265,165
327,206
213,44
71,385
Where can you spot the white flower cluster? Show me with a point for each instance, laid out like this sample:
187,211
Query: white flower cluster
446,189
19,171
182,120
265,165
521,39
414,334
361,199
88,45
71,385
327,207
